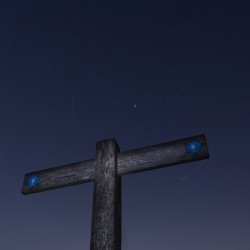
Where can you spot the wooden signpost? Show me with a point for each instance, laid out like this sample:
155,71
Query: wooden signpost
106,170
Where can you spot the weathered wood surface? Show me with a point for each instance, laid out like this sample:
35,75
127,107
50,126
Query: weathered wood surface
106,213
160,155
132,161
59,177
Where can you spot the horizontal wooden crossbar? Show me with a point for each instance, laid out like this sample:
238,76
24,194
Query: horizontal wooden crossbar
132,161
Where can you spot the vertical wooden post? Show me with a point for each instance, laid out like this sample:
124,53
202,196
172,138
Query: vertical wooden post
106,213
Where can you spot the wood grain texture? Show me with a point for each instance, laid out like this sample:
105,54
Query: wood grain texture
132,161
106,214
59,177
160,155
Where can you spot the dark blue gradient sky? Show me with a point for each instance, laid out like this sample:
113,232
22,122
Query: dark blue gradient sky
144,72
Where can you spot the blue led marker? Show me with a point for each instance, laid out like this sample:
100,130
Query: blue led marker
32,181
193,147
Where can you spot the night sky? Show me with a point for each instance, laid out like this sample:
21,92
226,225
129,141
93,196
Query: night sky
73,73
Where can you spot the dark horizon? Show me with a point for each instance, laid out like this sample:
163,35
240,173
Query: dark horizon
142,72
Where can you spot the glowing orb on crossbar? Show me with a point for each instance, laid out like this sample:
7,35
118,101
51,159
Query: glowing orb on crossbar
193,147
32,181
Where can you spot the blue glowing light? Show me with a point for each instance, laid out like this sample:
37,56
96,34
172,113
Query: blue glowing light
32,181
193,147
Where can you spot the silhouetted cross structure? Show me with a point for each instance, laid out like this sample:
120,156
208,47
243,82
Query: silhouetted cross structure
106,170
